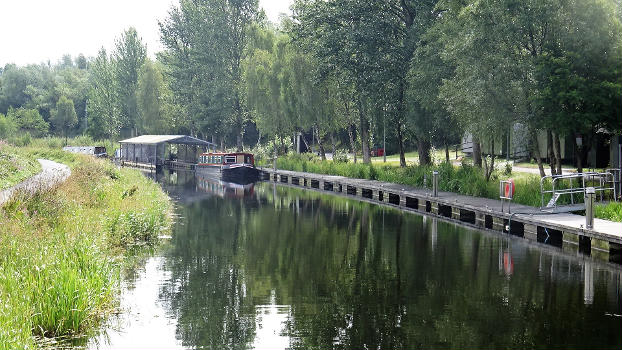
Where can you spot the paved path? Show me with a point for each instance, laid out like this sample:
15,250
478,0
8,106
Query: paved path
52,173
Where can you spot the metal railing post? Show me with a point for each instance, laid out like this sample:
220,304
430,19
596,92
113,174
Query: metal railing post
435,183
589,207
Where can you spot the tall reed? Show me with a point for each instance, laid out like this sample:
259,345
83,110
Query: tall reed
60,255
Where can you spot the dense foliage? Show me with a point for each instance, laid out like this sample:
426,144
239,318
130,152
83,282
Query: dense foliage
345,74
16,165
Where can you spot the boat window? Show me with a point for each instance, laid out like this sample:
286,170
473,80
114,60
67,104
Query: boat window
229,159
218,159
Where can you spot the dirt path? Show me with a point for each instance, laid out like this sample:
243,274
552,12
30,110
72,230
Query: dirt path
52,173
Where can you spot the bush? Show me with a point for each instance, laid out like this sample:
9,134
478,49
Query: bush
611,211
7,127
341,156
21,141
508,168
16,165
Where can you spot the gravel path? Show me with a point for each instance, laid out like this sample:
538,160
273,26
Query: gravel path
52,173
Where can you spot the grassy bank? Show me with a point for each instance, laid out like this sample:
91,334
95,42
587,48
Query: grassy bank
16,165
61,250
464,179
611,211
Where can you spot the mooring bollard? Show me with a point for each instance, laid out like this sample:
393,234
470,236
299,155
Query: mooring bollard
435,183
589,207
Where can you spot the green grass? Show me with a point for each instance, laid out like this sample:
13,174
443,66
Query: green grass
16,165
611,211
412,158
61,250
535,166
465,179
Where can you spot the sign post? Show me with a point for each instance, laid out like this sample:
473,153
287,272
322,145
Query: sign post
506,192
589,208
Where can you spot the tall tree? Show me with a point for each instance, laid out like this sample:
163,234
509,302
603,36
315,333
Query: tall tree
29,120
428,115
371,44
205,45
103,106
492,84
129,56
64,116
14,82
151,100
578,80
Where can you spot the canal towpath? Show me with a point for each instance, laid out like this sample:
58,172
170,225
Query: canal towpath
52,173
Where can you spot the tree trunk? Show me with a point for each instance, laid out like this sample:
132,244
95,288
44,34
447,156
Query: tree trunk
492,159
423,148
557,153
477,152
400,116
549,148
579,159
352,145
535,152
446,152
581,152
364,134
319,143
332,141
304,140
283,152
400,142
239,143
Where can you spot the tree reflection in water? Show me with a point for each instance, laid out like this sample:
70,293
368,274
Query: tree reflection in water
352,275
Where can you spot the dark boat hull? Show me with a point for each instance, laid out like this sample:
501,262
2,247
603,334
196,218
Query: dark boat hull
241,174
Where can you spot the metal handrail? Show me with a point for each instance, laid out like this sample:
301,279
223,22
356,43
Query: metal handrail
602,178
617,180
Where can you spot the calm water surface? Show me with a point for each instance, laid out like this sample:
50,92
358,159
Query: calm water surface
272,267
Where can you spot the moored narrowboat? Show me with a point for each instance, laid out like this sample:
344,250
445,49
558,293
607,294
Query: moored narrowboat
236,167
224,189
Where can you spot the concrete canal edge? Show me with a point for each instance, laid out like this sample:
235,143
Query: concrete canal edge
52,173
563,230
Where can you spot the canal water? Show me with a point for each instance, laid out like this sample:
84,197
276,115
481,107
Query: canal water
273,267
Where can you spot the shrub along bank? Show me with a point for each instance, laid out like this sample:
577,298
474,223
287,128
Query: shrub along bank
16,165
61,250
465,179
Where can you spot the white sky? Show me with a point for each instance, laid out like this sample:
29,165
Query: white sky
35,31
